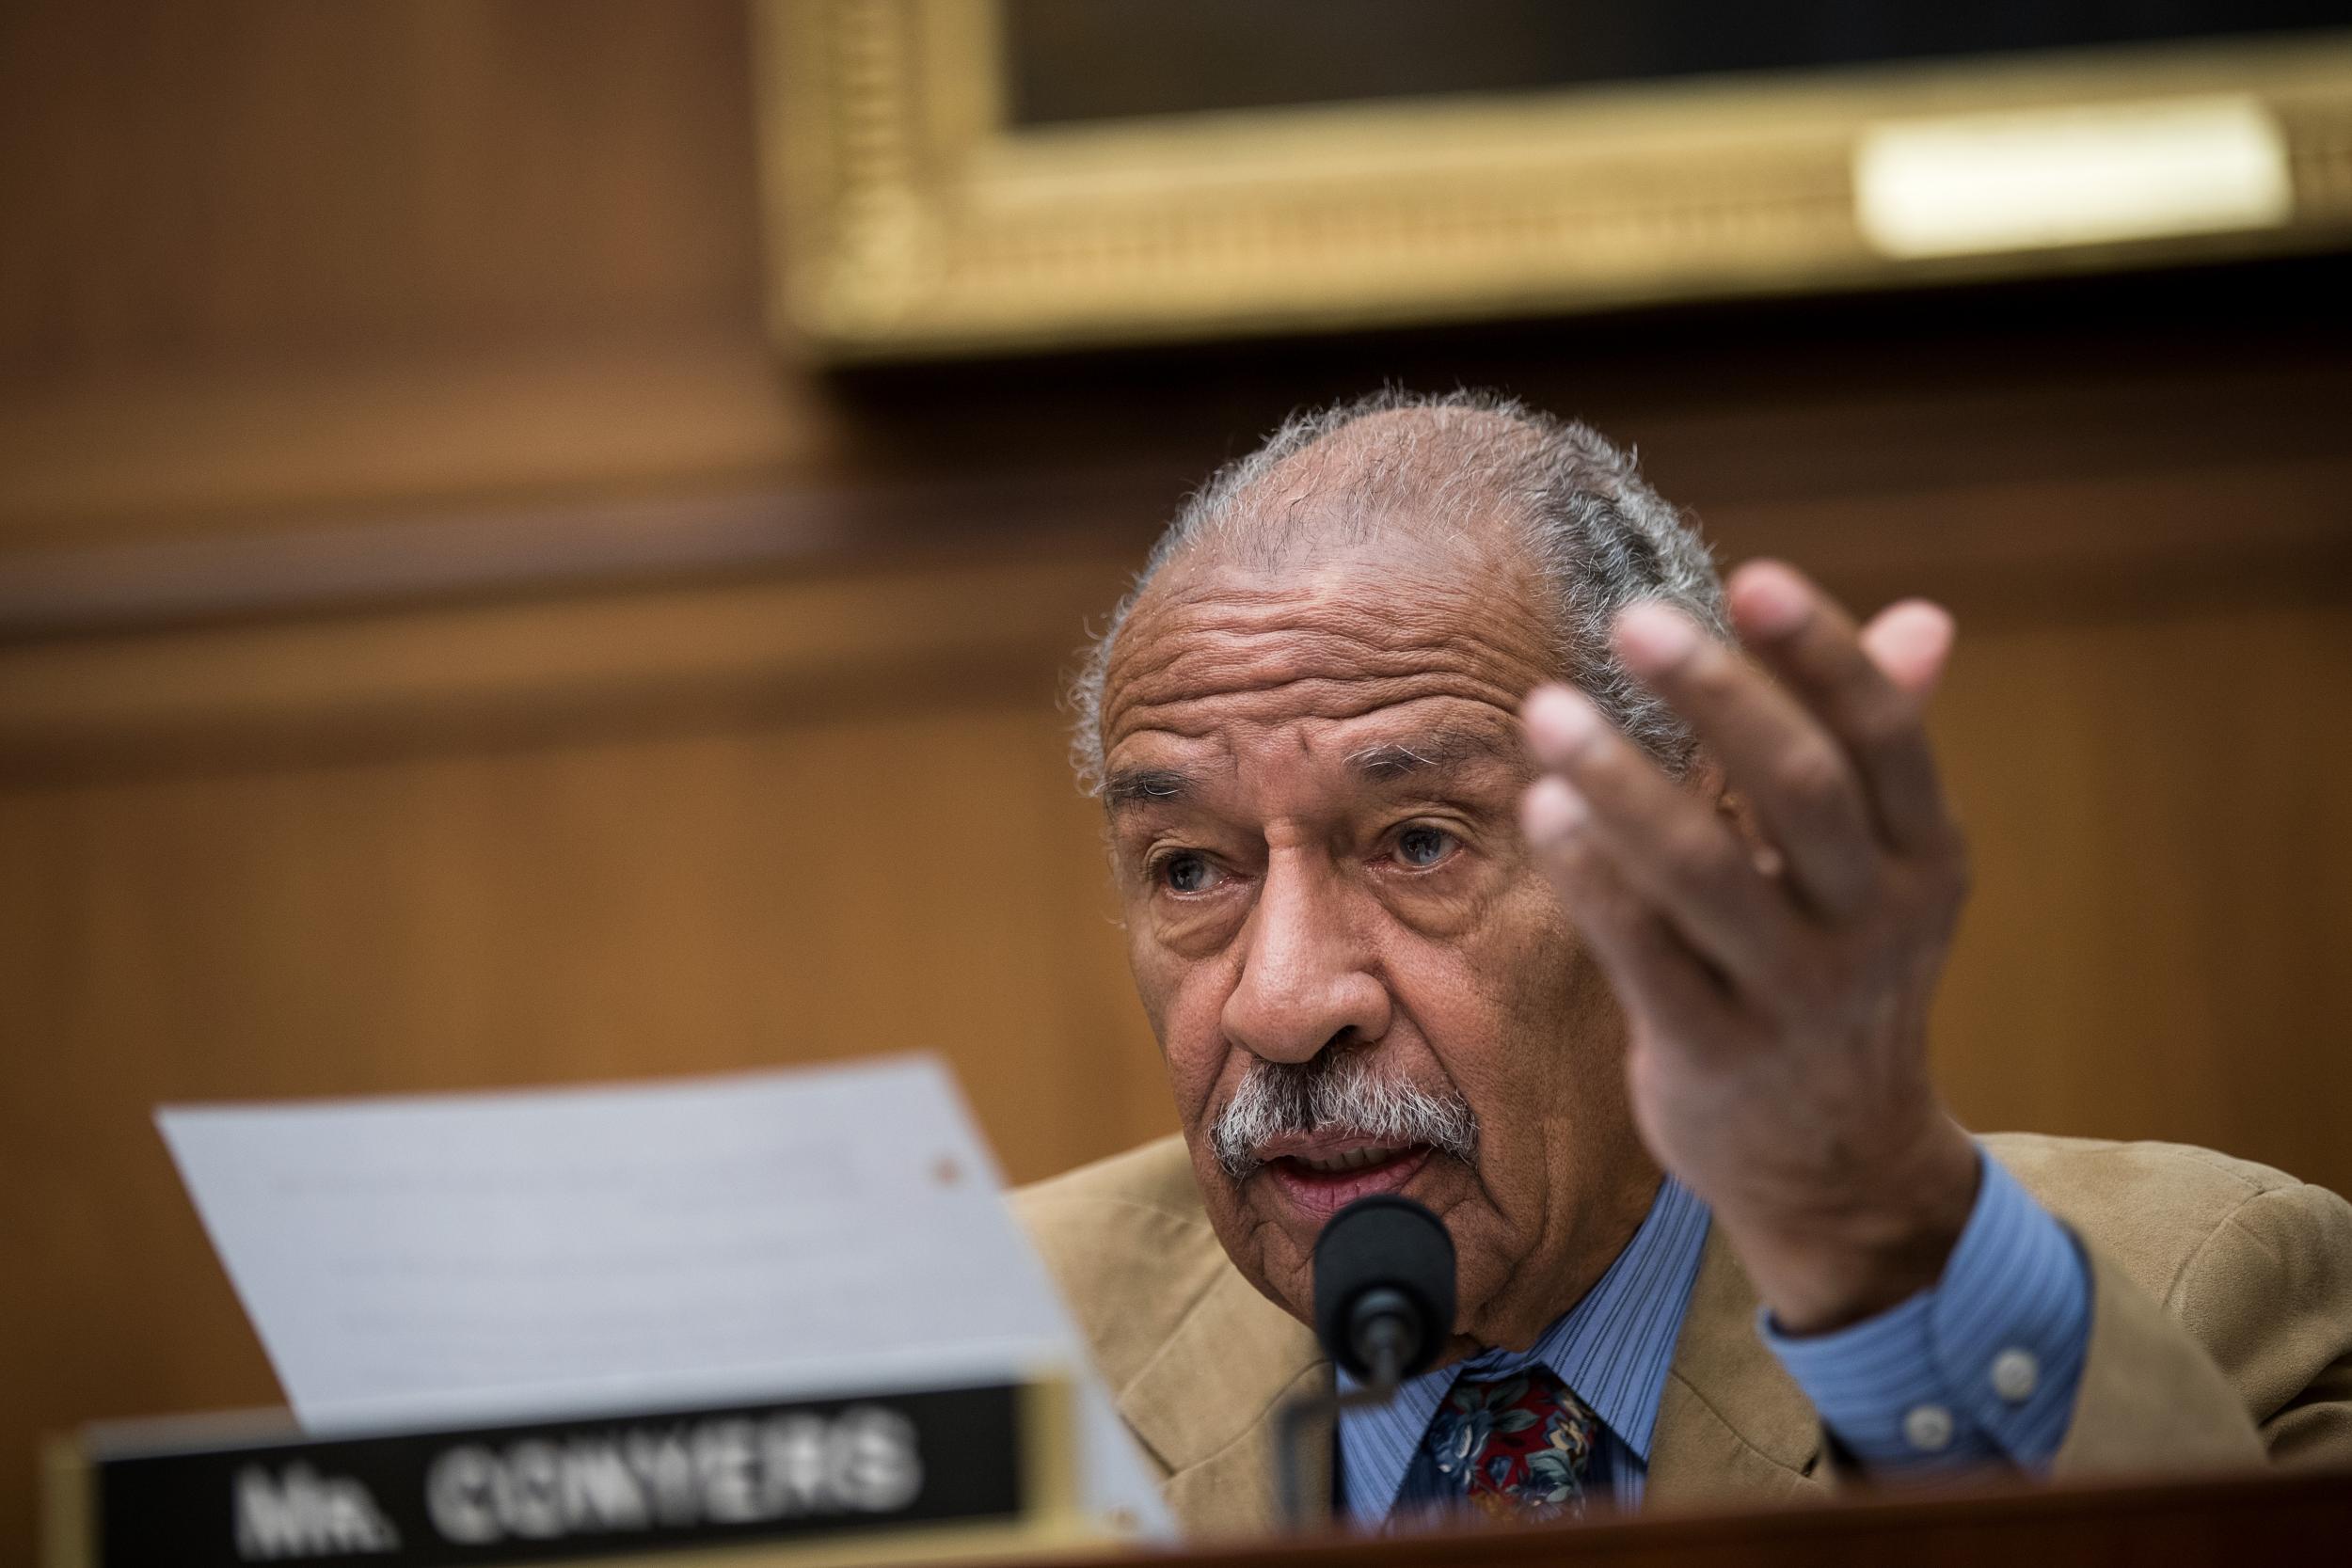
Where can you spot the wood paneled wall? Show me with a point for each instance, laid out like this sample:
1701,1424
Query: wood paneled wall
441,644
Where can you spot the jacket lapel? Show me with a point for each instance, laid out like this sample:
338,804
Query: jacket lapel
1732,1425
1205,1405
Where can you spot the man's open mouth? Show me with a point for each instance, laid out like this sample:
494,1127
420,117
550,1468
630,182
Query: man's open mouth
1351,1159
1321,1176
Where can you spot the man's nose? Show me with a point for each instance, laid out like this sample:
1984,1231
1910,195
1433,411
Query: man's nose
1307,977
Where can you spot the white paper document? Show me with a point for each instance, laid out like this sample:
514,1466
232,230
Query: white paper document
478,1258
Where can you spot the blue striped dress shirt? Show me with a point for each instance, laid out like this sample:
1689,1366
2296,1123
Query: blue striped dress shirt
1613,1348
1981,1368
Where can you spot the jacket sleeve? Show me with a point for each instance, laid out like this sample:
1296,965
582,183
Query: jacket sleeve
2247,1357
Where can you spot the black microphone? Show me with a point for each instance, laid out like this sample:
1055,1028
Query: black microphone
1383,1309
1384,1289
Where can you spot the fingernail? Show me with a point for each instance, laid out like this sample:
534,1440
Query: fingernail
1770,598
1552,811
1653,635
1561,721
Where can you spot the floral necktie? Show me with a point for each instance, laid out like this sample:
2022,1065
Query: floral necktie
1517,1447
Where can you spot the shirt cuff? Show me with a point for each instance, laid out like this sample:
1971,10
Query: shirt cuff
1981,1367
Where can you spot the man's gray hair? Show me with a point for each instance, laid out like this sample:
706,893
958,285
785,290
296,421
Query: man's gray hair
1596,533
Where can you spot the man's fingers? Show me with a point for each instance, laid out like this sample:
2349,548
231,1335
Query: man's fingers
1653,971
1803,636
1672,848
1911,642
1794,773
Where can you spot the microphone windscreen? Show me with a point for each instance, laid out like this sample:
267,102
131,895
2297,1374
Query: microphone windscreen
1384,1241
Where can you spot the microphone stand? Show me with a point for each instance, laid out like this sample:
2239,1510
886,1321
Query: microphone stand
1385,1336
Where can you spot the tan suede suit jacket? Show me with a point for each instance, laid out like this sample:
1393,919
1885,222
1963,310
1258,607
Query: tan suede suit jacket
2221,1332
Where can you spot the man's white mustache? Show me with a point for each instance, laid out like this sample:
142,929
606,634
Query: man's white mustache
1336,1091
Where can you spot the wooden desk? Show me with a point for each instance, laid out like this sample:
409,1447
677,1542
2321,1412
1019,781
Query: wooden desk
2288,1519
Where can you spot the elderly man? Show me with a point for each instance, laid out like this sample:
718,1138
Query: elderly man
1463,857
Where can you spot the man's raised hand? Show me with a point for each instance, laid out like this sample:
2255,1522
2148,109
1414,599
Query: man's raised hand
1776,963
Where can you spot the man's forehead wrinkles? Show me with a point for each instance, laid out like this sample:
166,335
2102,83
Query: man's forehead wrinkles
1216,653
1318,672
1389,620
1384,614
1312,697
1287,646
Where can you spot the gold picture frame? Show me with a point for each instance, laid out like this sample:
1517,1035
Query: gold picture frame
907,219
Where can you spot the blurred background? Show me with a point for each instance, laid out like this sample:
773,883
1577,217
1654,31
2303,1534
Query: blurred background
470,615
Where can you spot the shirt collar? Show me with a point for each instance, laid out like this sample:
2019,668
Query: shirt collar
1612,1349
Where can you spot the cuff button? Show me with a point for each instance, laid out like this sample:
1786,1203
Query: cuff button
1928,1428
2015,1375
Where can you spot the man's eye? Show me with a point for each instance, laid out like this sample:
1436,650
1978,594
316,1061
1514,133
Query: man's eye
1423,848
1187,873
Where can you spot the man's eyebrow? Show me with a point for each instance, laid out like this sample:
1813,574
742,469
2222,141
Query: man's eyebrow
1442,749
1137,787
